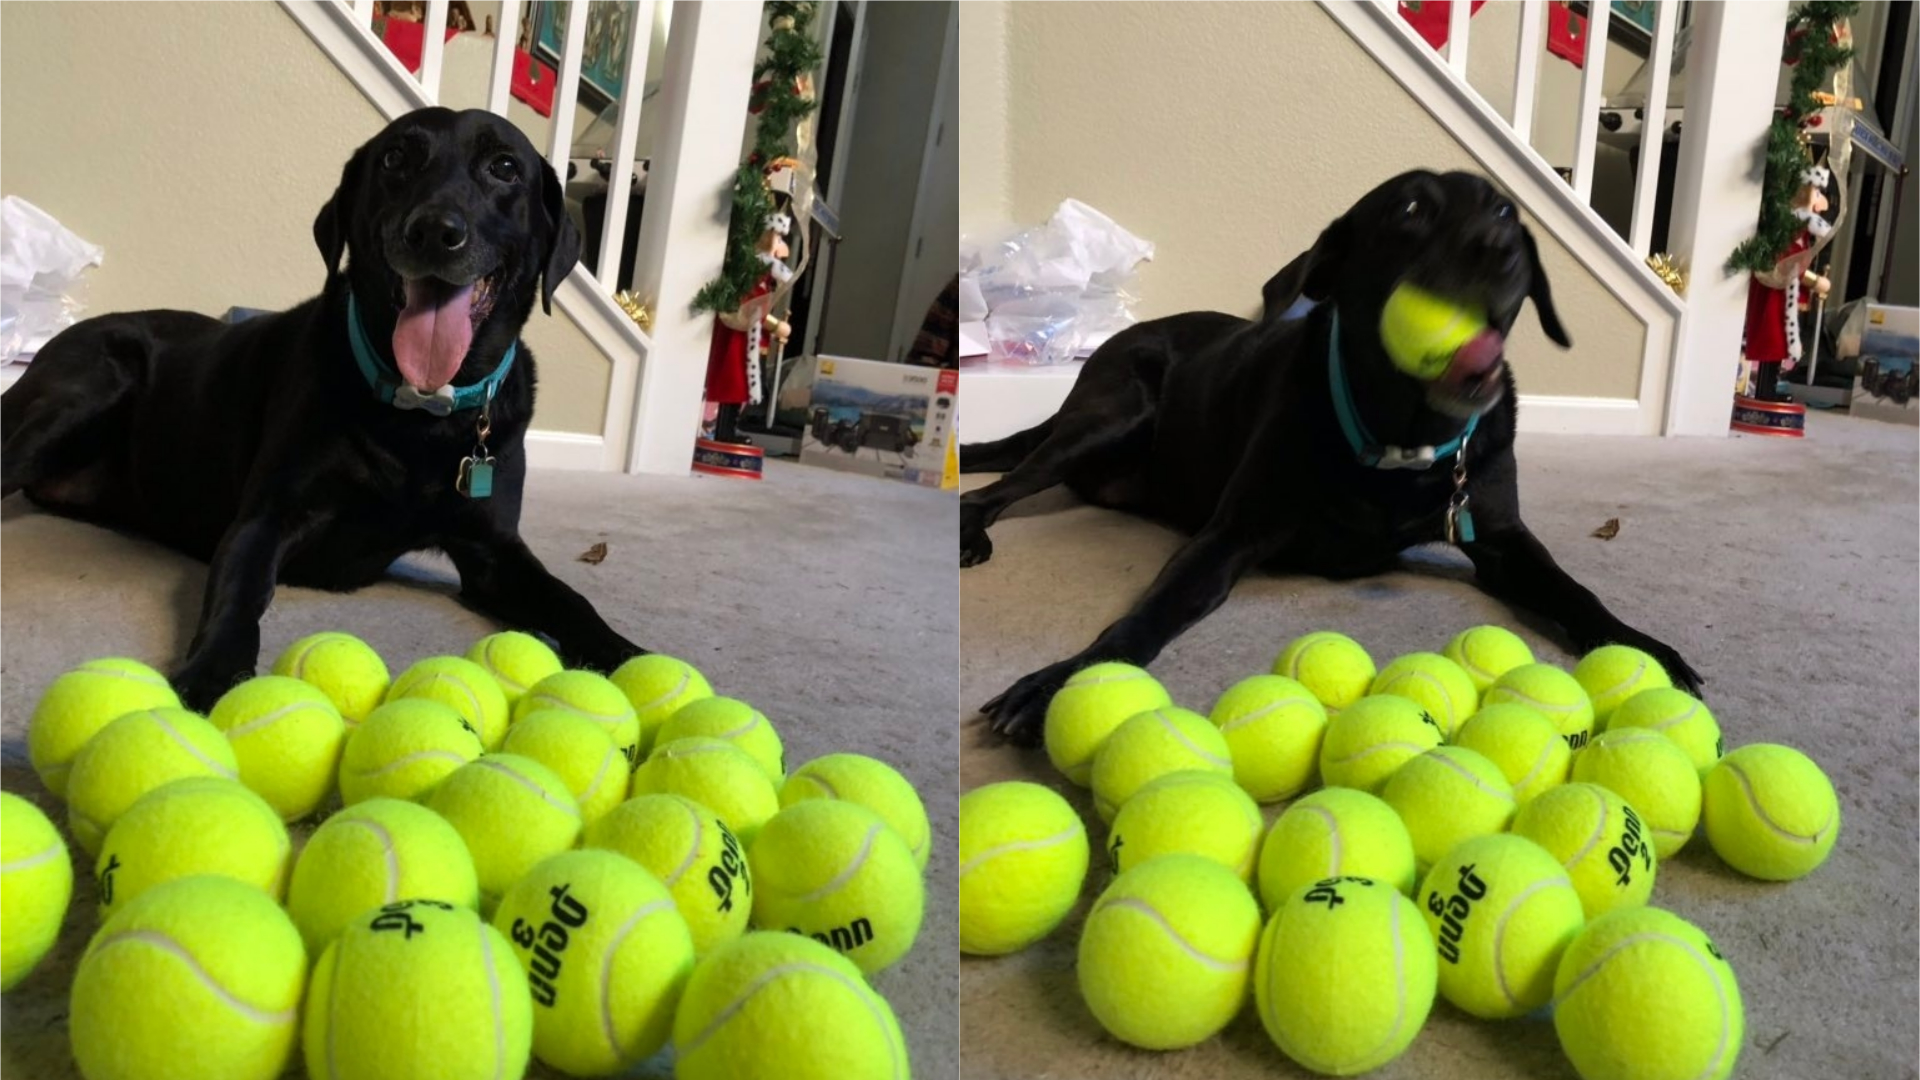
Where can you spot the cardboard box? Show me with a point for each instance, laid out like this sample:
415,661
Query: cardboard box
892,420
1888,385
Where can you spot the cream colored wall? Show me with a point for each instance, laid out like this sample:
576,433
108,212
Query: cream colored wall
195,142
983,116
1229,134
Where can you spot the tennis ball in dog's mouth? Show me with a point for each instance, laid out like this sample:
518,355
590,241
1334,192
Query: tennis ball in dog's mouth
1421,331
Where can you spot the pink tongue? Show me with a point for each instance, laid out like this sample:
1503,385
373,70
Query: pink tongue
1476,357
434,331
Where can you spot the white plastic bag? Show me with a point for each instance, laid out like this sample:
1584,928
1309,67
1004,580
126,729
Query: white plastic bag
1055,290
41,290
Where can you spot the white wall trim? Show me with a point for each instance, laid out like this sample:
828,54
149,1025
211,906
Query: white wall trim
571,450
1557,415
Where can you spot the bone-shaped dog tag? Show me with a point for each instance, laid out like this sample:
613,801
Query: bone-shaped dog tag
476,477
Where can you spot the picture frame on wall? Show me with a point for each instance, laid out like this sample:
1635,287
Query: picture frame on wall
611,29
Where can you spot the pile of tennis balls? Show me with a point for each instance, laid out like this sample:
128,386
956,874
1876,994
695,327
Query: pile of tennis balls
1489,830
511,861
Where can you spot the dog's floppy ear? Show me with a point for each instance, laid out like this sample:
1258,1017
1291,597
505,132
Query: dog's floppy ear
1310,274
331,227
563,240
1541,294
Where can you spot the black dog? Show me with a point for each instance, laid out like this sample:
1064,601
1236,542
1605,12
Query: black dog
1228,430
318,445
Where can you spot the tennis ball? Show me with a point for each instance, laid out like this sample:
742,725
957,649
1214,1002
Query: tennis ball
716,774
1599,839
1165,954
1487,652
1369,739
1094,702
196,978
580,753
593,697
1434,683
1550,692
693,854
374,853
345,669
461,685
838,874
1273,727
36,882
403,749
657,686
1188,813
81,702
1333,666
1611,674
1151,745
734,721
1023,857
200,825
1679,716
1643,995
866,782
756,1010
1345,976
1446,796
1502,911
1421,331
1771,813
512,811
1654,776
1524,744
516,661
134,755
606,956
418,988
1335,833
287,737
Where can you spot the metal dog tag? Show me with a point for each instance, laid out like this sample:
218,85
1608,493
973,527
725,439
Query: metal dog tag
476,477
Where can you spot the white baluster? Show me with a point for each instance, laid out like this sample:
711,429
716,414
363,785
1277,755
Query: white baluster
1587,131
500,81
1526,67
1458,12
433,49
567,93
1653,127
613,231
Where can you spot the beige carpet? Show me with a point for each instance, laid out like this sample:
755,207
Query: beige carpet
1784,571
826,599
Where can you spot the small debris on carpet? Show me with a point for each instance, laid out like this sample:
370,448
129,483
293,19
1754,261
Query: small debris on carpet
1608,531
594,555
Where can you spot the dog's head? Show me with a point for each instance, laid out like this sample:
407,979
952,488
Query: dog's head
1452,235
454,222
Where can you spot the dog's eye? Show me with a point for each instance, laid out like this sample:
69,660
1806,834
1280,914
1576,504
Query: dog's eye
1503,211
1411,210
504,169
393,159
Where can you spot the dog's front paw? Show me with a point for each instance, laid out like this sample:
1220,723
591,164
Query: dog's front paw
201,683
975,547
1020,712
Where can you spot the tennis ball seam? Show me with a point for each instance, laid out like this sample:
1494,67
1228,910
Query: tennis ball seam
607,957
1639,669
1008,848
1539,763
266,719
1334,839
1167,724
1134,903
846,873
858,989
1532,703
1426,677
1368,751
1599,830
31,861
1500,930
493,667
678,689
1692,711
1753,800
548,700
693,849
116,673
1719,991
408,759
686,748
392,857
600,775
313,643
187,745
181,953
1243,721
1107,680
493,990
735,733
545,797
435,677
1472,777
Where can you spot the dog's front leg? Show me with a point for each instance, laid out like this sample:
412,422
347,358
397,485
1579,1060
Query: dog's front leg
240,583
502,578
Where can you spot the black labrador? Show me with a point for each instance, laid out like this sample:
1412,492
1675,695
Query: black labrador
318,445
1228,429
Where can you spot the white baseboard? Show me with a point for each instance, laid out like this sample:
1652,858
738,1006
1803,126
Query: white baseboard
566,450
998,402
1557,415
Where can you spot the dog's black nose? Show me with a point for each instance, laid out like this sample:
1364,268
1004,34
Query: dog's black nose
436,232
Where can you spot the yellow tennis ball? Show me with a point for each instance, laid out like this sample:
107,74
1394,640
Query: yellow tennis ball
1094,702
1369,739
516,661
606,955
1502,911
403,749
1526,746
1023,857
1771,813
134,755
1447,796
1188,813
196,978
371,854
1165,954
692,852
1273,727
287,737
1611,674
344,668
1642,994
1434,683
512,811
716,774
1345,976
1654,776
734,721
838,874
1333,666
593,697
867,782
580,753
757,1007
36,883
657,686
1420,331
1598,838
1679,716
418,988
78,704
1487,652
200,825
1151,745
1333,833
1550,692
461,685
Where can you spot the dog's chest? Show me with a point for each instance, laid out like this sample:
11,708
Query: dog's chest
1365,518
